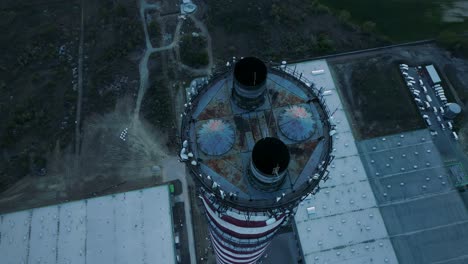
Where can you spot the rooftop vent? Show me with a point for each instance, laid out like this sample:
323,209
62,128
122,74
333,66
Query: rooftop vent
270,160
249,84
215,137
296,123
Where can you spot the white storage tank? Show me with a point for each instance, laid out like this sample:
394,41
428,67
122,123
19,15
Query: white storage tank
452,110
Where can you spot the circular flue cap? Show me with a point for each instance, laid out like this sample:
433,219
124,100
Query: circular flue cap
250,71
269,155
216,137
296,123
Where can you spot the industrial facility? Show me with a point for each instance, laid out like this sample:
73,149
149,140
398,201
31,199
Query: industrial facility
389,199
256,139
131,135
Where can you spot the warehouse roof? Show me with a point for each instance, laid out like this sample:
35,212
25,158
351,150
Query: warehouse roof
130,227
341,223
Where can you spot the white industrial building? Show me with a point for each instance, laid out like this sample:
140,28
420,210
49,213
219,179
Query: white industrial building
433,74
130,227
341,223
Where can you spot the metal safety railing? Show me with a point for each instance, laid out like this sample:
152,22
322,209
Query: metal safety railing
288,201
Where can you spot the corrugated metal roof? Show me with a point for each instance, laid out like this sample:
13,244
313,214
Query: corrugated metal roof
122,228
346,226
216,137
296,123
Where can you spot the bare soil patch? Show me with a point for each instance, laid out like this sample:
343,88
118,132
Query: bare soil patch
376,97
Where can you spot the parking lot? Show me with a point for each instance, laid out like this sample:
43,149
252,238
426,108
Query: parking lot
430,99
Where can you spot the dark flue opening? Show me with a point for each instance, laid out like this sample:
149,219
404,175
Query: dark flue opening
250,71
270,153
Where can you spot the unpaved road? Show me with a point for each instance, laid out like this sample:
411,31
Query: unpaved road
172,169
148,51
80,93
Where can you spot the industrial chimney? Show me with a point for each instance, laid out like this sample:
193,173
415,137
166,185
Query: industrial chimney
269,163
249,83
253,162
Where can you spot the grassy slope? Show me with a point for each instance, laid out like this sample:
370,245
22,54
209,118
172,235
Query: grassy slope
276,30
401,20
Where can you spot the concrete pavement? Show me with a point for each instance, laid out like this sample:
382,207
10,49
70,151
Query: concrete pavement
172,169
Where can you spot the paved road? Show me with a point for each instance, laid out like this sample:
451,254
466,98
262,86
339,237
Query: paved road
172,169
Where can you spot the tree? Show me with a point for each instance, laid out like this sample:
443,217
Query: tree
275,12
369,26
193,51
344,16
322,9
324,44
153,29
454,42
448,38
120,10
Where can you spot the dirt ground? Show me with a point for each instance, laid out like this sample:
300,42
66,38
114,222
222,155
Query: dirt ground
37,83
114,40
106,162
376,97
113,44
157,106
